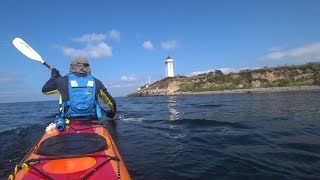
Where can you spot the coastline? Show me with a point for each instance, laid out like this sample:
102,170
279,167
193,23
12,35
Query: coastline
164,92
254,90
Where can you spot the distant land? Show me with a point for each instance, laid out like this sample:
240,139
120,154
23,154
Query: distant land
267,79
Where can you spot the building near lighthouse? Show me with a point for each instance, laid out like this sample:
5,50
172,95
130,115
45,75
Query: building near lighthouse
169,67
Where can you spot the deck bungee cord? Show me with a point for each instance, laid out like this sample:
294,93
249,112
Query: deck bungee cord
30,163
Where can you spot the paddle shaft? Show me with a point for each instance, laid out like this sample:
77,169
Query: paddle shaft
47,65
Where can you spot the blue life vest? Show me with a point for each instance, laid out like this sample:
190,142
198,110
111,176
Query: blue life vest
82,94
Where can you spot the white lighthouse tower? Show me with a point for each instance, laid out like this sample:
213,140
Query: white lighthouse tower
169,67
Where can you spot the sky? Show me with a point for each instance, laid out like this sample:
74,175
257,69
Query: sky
126,42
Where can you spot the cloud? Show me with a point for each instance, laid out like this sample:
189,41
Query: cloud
200,72
99,50
129,78
114,34
275,48
95,45
148,45
228,70
9,94
7,78
91,38
129,81
96,38
224,71
304,53
125,86
169,45
114,86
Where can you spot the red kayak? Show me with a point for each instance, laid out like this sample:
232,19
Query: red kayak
83,150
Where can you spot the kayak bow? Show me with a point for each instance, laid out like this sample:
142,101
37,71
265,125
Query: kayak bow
84,150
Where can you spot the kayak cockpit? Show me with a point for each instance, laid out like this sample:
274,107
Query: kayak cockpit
72,144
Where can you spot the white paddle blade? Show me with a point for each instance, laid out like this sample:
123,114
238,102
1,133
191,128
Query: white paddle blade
27,50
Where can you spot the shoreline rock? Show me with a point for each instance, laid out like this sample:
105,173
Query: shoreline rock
164,92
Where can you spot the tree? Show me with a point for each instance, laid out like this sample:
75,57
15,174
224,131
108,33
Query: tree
218,72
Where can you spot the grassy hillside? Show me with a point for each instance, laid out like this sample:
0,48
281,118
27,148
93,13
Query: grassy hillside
282,76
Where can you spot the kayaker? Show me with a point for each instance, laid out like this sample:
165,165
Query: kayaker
79,91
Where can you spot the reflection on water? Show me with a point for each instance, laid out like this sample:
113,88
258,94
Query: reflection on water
174,114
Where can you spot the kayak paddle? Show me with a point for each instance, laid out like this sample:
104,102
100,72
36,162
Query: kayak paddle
27,50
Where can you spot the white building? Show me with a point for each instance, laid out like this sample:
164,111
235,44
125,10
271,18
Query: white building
169,67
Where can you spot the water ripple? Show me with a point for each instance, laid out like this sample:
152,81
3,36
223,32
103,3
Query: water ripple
235,136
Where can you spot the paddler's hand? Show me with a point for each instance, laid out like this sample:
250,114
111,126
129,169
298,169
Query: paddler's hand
55,73
110,115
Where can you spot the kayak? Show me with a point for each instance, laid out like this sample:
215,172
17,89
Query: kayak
84,149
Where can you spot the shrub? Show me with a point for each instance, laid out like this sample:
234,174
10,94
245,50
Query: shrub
316,78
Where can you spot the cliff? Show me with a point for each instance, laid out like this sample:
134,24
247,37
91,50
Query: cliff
267,77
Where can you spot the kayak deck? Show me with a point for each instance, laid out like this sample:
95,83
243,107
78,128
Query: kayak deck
84,150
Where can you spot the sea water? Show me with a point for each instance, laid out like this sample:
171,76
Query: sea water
228,136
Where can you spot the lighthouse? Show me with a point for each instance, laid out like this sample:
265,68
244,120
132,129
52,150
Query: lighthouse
169,67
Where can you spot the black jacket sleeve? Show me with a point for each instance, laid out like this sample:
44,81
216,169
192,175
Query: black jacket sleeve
57,86
50,87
